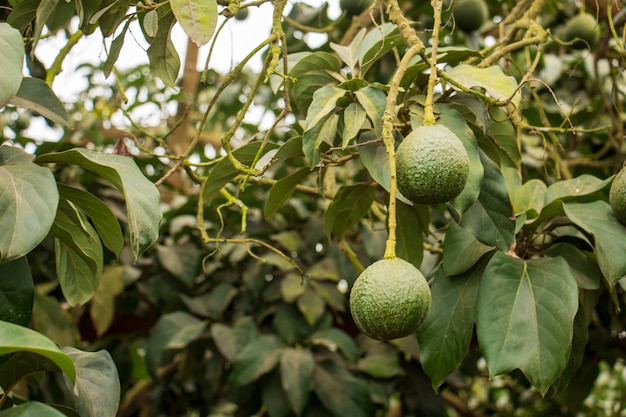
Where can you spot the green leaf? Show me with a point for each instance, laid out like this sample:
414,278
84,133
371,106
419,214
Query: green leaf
575,188
150,23
28,203
116,47
11,61
274,396
490,218
198,18
350,205
377,43
76,273
311,305
224,171
340,392
503,136
183,261
102,218
32,408
173,331
96,392
461,250
380,365
353,118
231,340
336,340
374,102
324,102
45,11
23,15
214,303
412,223
14,338
256,359
164,60
610,236
282,190
296,372
291,287
34,94
530,198
140,194
455,122
16,292
53,321
102,305
526,312
22,365
492,79
445,335
312,72
588,275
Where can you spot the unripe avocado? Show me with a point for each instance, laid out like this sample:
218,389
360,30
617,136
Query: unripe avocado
583,30
617,196
470,15
390,299
432,165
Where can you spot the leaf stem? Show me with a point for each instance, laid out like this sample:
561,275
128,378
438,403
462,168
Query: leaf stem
429,116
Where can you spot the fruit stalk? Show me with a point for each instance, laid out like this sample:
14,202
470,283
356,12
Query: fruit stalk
429,115
388,141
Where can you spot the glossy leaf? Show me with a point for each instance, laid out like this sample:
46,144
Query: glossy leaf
575,188
296,372
445,335
492,79
11,61
350,205
610,236
312,72
377,43
224,171
140,194
490,218
526,312
34,94
259,357
101,216
353,118
198,18
32,408
96,392
15,338
173,331
461,250
28,203
373,101
282,190
16,292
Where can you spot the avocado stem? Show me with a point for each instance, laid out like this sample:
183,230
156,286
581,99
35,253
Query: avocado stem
429,115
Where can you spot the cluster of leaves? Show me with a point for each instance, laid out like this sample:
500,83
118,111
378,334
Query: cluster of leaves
240,308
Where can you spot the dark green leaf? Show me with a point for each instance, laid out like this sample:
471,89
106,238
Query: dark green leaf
14,338
585,270
224,171
336,340
34,94
575,188
274,396
44,12
526,312
256,359
28,203
103,219
53,321
610,236
445,335
353,118
11,61
214,303
296,372
350,205
31,409
231,340
22,365
312,72
282,190
173,331
490,218
114,51
374,102
376,44
96,392
340,392
461,250
16,292
412,224
182,261
380,365
503,137
23,14
164,60
141,196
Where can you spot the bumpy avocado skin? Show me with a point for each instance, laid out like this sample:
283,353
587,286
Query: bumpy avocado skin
432,165
470,15
617,196
583,30
390,299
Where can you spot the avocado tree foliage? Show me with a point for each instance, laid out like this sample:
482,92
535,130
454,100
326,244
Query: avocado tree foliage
201,264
